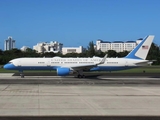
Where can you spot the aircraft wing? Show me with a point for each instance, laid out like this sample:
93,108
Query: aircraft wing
83,67
86,66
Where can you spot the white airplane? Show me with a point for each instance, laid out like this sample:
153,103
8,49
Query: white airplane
66,66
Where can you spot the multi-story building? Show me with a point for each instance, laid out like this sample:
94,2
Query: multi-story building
9,43
139,40
103,45
118,46
66,50
48,47
24,48
130,45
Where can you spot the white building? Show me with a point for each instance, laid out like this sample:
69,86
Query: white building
24,48
139,40
118,46
66,50
130,45
48,47
103,45
9,43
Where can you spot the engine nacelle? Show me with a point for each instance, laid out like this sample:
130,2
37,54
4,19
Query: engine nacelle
63,71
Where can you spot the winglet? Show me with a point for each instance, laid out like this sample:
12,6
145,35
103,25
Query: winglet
103,60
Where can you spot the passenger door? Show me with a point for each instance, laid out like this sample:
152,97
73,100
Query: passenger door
126,64
19,63
48,64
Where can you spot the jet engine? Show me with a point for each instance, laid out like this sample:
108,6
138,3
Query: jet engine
63,71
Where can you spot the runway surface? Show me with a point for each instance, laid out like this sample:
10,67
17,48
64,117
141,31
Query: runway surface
97,96
94,79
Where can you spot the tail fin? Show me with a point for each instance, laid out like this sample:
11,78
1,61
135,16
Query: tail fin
142,49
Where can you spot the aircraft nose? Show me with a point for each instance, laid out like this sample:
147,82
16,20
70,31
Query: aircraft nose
9,66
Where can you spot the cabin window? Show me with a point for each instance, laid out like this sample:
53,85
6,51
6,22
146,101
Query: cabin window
112,62
54,62
40,62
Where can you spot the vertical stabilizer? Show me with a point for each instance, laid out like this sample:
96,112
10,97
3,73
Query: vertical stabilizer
142,49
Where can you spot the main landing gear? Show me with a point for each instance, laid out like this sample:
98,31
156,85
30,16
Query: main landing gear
21,74
80,74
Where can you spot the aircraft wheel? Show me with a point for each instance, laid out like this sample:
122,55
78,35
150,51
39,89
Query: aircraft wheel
78,76
83,76
22,75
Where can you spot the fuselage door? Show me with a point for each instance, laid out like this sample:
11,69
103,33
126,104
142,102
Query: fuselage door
19,63
48,63
126,64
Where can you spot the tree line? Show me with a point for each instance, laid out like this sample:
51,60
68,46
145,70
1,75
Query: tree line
6,56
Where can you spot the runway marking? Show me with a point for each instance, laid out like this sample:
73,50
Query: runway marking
5,87
136,78
139,89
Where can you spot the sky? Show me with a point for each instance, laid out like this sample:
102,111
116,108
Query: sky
78,22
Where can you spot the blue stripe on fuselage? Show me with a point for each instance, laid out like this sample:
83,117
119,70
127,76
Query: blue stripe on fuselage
112,68
13,67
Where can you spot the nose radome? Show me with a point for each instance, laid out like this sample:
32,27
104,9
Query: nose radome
8,66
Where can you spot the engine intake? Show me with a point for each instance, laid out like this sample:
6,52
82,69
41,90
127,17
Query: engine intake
63,71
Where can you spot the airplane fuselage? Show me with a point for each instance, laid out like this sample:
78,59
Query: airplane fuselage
56,62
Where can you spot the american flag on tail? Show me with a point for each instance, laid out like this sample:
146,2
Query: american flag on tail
145,47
